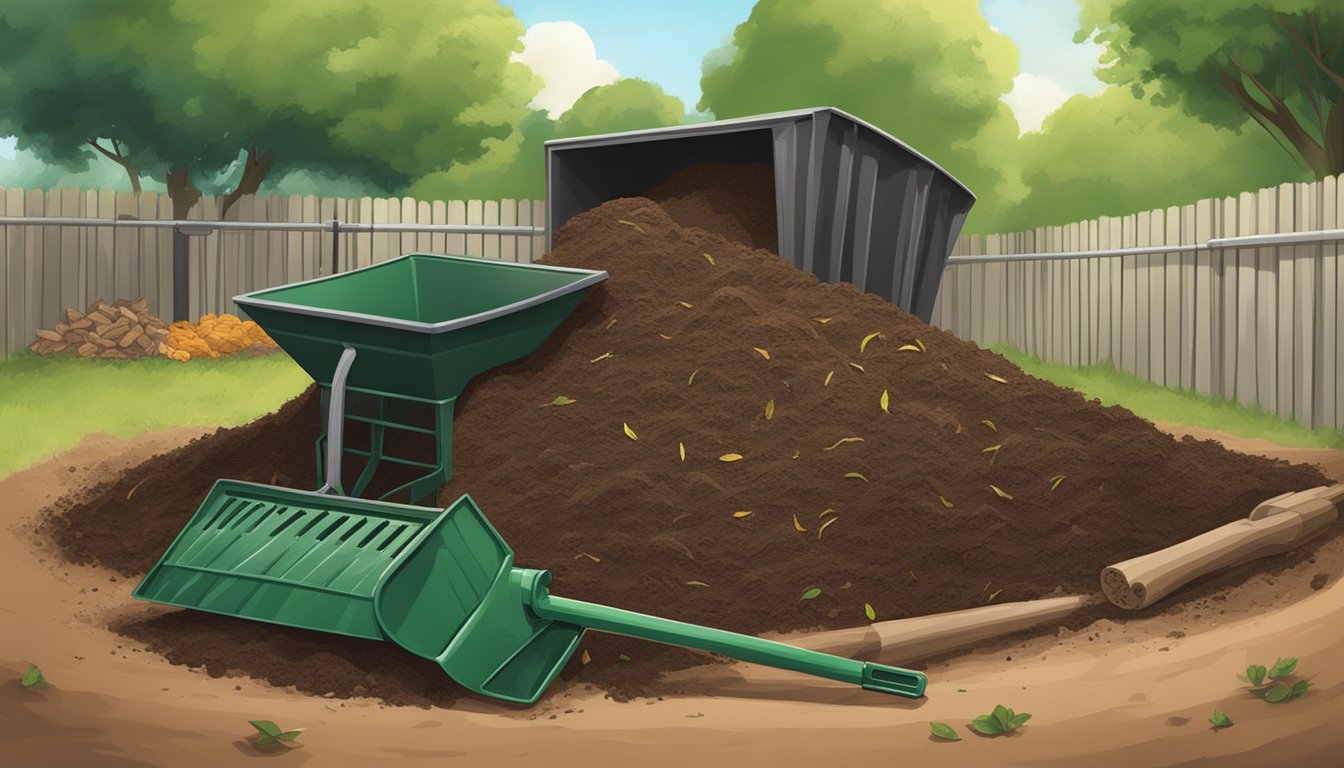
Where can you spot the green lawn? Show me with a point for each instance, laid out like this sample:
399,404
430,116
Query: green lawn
1151,401
48,403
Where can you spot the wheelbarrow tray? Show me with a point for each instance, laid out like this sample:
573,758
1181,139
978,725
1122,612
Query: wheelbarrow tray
422,324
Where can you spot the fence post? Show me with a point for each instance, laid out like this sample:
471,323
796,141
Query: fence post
181,283
335,246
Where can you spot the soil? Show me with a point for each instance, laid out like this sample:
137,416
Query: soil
1112,695
975,483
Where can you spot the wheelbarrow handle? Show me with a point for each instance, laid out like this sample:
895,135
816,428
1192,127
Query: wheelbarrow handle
873,677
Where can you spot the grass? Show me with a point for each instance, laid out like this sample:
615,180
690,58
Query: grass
48,403
1170,404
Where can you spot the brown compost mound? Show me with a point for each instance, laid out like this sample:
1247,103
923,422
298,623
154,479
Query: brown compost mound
676,347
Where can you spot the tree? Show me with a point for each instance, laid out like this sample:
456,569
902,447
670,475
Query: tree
383,91
929,72
1279,61
1115,154
515,166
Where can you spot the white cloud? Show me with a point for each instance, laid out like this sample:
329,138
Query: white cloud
1033,98
563,56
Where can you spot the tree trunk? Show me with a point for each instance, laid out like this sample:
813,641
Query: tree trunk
182,191
255,169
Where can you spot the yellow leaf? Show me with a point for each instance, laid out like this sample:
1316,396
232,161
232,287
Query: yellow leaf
664,337
991,449
731,457
824,526
825,512
769,409
846,585
885,402
856,476
691,380
908,348
586,659
742,513
600,358
681,448
797,526
795,454
686,304
856,365
922,348
827,383
630,433
708,258
945,501
989,424
1001,493
631,224
869,612
999,379
762,352
1055,481
696,584
842,441
864,344
611,323
993,595
594,558
132,491
822,320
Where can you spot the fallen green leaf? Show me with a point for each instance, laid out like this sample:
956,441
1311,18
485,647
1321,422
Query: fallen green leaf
33,678
944,731
1219,719
562,400
810,593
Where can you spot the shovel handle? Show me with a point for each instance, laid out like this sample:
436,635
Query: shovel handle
873,677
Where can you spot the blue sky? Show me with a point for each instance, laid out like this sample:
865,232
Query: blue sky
666,43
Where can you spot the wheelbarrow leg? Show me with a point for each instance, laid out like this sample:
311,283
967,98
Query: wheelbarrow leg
336,423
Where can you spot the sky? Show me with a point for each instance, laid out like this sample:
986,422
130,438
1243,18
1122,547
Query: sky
666,43
577,44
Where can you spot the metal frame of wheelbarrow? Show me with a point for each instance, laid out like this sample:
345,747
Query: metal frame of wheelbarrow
438,582
414,363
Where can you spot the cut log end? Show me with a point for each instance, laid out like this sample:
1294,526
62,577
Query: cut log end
1120,592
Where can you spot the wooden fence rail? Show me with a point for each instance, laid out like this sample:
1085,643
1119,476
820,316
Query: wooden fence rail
45,269
1260,326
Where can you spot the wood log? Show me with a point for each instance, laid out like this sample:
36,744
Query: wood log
1278,525
905,640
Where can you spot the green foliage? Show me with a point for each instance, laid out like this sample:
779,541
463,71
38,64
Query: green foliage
33,679
1219,719
1278,693
1113,154
515,165
1275,60
384,91
1002,720
944,731
270,735
929,72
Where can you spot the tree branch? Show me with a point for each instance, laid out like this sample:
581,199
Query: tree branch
255,169
1315,54
125,162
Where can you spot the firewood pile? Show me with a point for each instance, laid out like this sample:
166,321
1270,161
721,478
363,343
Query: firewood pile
122,330
127,330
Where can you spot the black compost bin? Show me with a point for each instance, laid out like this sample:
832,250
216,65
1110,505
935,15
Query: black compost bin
852,202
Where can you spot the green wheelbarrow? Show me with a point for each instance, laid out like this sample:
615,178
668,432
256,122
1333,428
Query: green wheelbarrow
394,344
440,583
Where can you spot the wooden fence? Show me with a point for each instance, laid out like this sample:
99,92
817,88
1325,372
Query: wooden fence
1261,326
44,269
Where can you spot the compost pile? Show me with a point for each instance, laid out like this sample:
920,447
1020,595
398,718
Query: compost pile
716,437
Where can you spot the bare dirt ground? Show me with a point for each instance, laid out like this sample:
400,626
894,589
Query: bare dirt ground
1131,694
